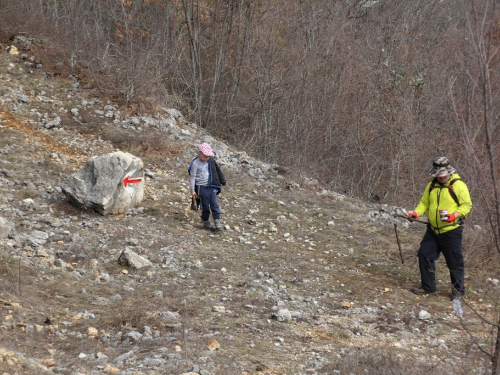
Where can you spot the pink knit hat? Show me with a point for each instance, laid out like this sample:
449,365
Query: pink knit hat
205,149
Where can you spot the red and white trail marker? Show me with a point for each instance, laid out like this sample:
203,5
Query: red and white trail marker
131,180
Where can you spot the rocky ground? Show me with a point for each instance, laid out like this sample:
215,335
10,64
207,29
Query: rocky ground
301,280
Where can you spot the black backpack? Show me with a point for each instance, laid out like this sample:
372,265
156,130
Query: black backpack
449,187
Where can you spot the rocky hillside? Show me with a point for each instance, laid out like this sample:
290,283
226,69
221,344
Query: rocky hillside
301,280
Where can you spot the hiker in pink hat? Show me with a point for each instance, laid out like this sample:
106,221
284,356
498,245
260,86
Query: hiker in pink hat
205,180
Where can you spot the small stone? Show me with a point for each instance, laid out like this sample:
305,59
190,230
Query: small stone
49,362
92,332
346,305
213,345
219,309
424,315
283,315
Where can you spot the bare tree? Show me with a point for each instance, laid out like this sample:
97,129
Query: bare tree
352,93
476,104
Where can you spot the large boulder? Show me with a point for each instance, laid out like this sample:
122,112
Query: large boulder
109,184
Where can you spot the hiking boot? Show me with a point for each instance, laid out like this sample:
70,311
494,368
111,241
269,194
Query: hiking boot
421,291
218,224
208,225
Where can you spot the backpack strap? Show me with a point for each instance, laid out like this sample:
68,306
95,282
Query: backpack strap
450,188
190,165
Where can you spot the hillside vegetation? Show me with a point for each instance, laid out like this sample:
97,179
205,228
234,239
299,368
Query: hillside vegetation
357,94
302,280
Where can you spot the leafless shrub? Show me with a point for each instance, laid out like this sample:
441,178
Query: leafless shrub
382,361
148,143
474,99
11,272
480,251
86,250
343,91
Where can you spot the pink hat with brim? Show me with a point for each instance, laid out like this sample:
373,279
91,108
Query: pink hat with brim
205,149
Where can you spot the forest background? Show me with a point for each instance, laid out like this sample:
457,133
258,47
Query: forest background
360,95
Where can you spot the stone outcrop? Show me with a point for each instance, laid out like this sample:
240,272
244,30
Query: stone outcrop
109,184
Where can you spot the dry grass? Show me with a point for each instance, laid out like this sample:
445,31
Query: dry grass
353,261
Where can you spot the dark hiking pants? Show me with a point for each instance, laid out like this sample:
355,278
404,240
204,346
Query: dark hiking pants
450,244
208,202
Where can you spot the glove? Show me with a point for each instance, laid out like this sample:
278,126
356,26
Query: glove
451,218
412,215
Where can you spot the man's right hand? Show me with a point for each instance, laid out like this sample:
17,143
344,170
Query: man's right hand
412,215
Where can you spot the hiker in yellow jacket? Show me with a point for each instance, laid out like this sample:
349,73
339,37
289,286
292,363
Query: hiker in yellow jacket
447,201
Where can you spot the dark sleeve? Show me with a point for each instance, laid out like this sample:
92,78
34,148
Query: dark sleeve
222,178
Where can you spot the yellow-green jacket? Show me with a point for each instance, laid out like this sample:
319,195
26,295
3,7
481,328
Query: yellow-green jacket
439,198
